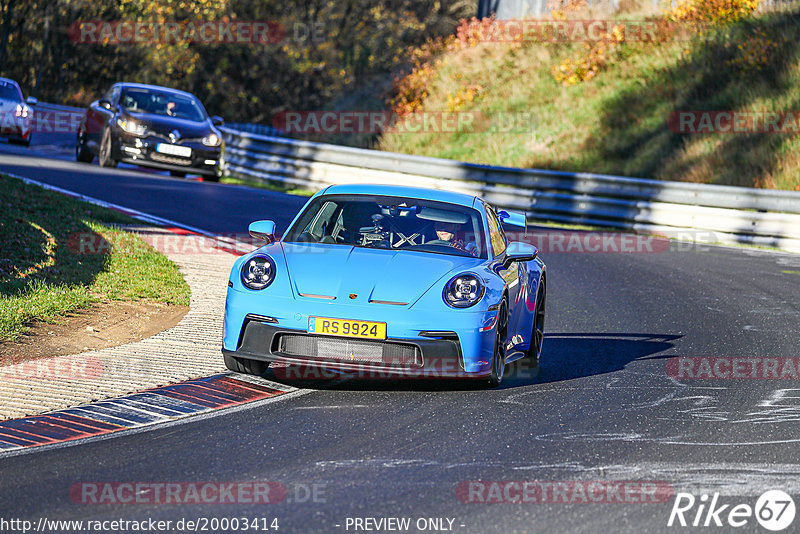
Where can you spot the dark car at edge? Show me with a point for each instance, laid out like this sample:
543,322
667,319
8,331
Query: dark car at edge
151,126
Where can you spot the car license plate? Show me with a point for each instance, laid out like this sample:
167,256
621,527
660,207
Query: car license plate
174,150
346,328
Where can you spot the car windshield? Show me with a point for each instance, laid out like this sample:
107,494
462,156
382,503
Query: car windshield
140,100
390,222
9,91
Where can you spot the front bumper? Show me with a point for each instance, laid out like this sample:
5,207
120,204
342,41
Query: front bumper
435,354
19,128
204,160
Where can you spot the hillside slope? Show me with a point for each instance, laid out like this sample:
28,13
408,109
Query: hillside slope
617,113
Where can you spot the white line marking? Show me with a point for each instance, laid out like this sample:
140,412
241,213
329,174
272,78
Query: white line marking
136,214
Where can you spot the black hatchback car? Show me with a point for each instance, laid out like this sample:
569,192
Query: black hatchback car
151,126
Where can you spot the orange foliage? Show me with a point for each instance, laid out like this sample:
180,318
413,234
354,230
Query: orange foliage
584,67
712,11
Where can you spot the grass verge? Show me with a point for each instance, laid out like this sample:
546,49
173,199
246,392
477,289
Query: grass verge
60,254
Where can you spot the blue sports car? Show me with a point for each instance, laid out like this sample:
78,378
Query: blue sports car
398,281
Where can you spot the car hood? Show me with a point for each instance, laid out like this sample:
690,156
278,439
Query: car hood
371,274
163,125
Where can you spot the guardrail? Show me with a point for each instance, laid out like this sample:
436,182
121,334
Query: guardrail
260,129
700,212
690,211
58,107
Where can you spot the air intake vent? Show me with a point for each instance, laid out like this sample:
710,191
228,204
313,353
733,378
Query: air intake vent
350,350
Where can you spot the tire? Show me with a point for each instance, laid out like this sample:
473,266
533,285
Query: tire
105,157
19,141
245,366
82,154
211,178
537,334
177,174
499,353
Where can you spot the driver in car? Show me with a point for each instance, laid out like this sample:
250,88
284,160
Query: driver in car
447,232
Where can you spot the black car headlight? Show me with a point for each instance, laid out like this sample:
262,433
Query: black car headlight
212,139
463,291
258,272
132,127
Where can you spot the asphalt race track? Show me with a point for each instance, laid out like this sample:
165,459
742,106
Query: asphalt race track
600,407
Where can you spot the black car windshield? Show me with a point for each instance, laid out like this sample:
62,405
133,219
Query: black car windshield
9,91
140,100
390,222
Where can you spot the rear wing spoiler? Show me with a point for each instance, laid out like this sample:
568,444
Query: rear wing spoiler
513,218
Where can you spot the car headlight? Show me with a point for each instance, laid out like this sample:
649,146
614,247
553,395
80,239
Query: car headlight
22,110
132,127
212,139
258,272
463,291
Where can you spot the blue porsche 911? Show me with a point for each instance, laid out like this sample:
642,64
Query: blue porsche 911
401,281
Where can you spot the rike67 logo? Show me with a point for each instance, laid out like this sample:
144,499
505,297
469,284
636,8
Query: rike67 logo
774,510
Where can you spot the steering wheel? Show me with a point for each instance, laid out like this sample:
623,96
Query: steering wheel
438,242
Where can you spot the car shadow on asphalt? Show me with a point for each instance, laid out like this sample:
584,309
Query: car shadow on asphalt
565,356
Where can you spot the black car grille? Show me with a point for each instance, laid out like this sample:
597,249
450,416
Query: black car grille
155,156
350,350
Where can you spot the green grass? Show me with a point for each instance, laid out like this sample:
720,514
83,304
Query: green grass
617,122
46,273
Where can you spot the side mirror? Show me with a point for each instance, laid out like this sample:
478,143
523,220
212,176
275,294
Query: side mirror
514,218
263,230
32,101
216,120
519,251
103,103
